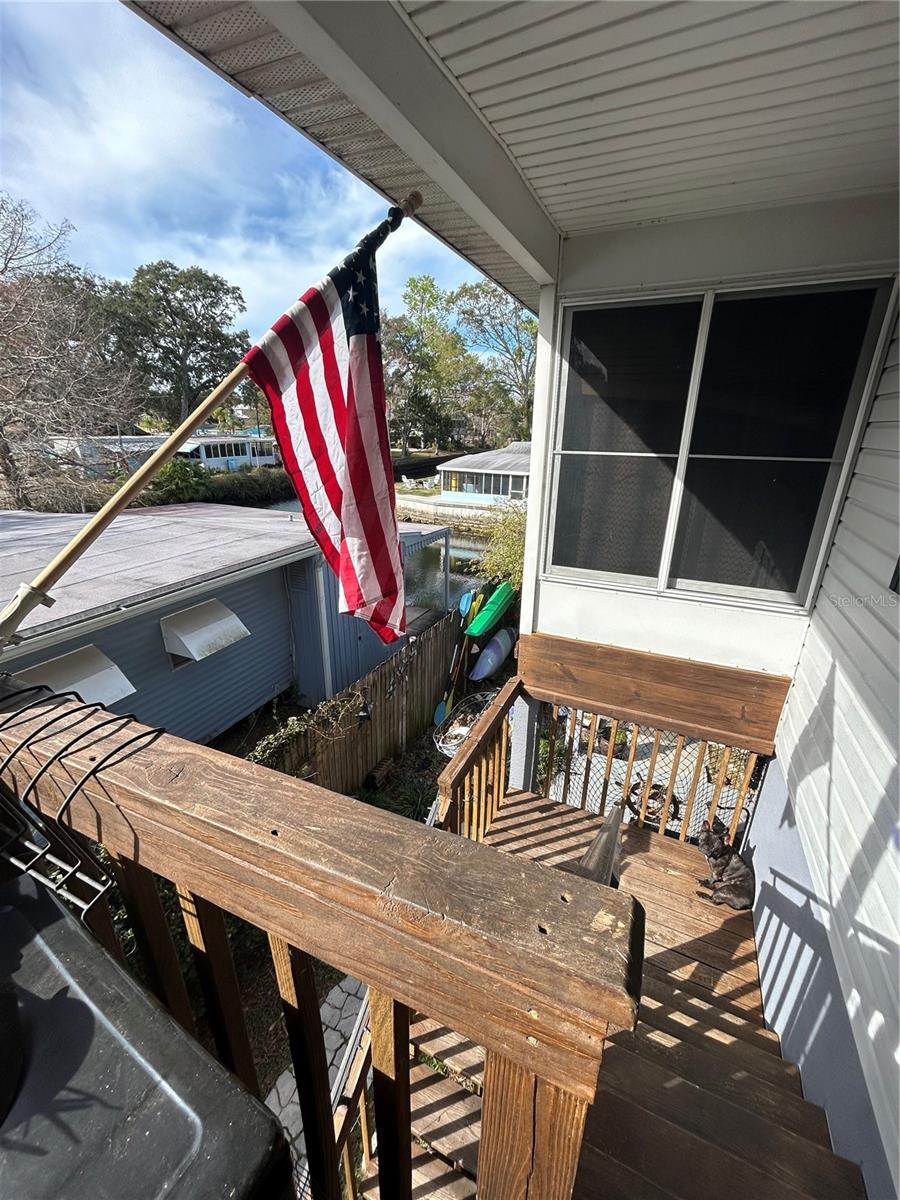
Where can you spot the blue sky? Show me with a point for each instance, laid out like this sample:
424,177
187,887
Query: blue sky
150,155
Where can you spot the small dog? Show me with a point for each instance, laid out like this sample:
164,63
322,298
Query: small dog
731,879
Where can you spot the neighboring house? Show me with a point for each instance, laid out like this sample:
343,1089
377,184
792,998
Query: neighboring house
700,202
105,455
490,477
190,616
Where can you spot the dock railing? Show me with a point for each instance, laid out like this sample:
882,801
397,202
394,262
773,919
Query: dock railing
433,923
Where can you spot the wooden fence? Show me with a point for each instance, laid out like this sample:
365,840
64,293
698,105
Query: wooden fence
338,744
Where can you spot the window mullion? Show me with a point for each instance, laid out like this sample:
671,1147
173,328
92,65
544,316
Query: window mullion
668,545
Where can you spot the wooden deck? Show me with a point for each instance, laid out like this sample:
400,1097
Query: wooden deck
695,1104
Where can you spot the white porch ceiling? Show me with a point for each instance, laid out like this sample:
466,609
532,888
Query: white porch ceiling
597,115
619,113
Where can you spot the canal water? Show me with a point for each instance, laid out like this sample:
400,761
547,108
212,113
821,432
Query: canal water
424,572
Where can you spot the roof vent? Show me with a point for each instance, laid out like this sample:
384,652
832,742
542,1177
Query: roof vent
87,671
198,632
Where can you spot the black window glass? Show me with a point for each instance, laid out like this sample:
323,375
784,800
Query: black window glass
777,372
611,513
629,371
747,523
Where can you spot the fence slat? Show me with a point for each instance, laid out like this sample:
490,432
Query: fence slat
721,775
673,775
607,770
592,737
648,782
742,797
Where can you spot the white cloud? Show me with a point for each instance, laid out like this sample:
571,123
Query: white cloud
150,155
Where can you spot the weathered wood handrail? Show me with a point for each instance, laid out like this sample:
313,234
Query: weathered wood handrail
485,944
471,787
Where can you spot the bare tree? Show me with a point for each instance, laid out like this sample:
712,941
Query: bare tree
60,380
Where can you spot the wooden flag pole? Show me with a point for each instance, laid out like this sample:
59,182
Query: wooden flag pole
31,595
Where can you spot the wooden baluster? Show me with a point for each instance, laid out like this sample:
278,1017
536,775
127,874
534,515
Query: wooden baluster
365,1132
476,800
482,795
592,737
205,925
692,793
721,776
551,750
498,779
742,796
350,1192
467,806
303,1022
607,771
570,747
389,1023
648,782
673,775
531,1135
504,757
632,750
140,895
489,784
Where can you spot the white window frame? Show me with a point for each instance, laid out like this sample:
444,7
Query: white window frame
850,435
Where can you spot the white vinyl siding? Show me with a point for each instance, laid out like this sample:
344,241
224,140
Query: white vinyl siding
837,744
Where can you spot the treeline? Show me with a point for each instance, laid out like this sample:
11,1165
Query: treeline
85,357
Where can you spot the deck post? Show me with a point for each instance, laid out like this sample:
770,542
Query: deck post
531,1135
524,744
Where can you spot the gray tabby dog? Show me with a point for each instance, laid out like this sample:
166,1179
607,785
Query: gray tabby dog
731,879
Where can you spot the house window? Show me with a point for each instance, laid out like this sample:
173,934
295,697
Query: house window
517,487
701,439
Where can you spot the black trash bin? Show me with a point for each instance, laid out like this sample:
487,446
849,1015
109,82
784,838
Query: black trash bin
113,1098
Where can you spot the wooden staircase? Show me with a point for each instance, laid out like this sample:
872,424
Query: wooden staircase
696,1103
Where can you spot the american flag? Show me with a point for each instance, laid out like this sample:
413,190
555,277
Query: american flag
320,369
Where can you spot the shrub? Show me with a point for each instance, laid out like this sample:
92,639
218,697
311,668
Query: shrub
504,558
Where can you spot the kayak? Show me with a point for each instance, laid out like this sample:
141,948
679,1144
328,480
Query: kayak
492,611
494,655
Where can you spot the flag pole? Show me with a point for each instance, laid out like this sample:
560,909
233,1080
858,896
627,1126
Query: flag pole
30,595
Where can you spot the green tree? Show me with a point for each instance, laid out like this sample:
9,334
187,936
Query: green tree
495,324
426,363
177,325
61,379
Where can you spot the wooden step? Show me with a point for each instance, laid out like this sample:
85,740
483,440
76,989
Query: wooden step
736,1127
676,995
432,1179
719,1074
462,1058
691,1031
739,995
446,1117
689,1166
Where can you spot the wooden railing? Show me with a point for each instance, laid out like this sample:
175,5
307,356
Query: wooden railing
431,922
666,779
472,787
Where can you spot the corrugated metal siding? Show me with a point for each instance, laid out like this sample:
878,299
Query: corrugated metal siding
200,700
838,746
624,112
241,44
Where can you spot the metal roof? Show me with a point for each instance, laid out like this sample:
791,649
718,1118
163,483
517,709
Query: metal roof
514,458
150,554
608,114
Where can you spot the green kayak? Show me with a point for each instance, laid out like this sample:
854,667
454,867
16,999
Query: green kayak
493,610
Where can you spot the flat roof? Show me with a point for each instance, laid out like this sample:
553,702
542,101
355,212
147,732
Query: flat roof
514,458
151,554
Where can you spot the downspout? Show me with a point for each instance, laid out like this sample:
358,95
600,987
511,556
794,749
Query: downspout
325,644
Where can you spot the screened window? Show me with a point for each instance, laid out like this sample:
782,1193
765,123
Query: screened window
704,454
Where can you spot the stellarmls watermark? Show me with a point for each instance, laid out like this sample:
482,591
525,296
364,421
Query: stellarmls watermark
872,600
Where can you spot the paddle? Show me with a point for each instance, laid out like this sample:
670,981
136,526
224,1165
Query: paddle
441,711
